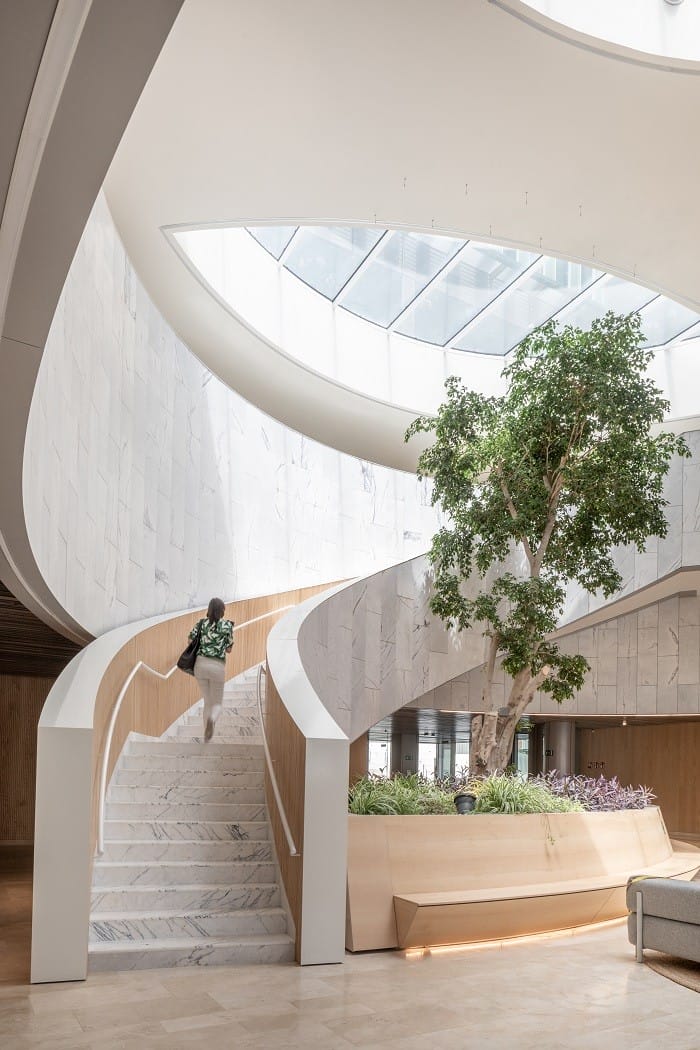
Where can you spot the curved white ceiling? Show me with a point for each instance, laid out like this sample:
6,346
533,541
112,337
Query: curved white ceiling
456,118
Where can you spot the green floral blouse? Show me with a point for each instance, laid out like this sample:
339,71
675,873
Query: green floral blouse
214,639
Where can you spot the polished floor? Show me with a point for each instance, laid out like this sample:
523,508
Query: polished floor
575,991
15,913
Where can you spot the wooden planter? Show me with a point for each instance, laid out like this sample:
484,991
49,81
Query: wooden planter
415,881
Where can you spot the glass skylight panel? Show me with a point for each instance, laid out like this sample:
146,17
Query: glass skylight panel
543,292
692,333
664,319
273,238
609,293
396,274
326,256
456,296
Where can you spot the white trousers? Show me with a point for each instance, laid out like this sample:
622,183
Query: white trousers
211,675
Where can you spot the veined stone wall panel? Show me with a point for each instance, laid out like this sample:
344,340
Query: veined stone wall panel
643,663
149,485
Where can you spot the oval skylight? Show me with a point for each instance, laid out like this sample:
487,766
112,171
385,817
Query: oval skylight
457,294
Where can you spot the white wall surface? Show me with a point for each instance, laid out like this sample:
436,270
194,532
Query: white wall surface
149,485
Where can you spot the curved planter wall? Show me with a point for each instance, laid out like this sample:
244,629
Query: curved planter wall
445,879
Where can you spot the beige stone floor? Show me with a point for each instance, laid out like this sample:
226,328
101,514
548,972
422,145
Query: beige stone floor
582,991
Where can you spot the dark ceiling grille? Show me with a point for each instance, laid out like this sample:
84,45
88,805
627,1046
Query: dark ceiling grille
27,645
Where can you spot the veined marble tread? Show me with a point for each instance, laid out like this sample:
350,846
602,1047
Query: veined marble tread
188,794
200,896
217,951
186,829
150,850
203,762
215,748
235,812
174,872
149,777
139,926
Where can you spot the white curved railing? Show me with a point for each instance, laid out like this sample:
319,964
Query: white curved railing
293,852
104,762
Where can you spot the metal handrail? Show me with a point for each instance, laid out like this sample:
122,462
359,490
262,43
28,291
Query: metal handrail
293,852
115,711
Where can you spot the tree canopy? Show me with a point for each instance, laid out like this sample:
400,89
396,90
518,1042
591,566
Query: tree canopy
562,468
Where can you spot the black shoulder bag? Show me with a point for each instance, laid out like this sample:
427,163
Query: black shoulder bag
189,655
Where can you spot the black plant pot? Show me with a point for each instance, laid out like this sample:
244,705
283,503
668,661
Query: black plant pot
465,803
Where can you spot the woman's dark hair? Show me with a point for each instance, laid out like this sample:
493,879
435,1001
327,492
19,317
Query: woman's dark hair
216,610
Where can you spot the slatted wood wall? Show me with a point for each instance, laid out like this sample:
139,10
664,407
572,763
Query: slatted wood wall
21,701
664,757
27,645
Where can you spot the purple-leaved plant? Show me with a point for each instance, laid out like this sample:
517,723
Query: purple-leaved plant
597,793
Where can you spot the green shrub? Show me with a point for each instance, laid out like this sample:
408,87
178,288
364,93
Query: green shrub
400,795
503,793
410,794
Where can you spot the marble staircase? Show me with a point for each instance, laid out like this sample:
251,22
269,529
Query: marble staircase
188,876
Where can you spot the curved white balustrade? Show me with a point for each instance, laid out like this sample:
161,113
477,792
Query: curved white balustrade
67,745
142,666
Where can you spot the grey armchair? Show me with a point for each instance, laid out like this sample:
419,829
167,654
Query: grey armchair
665,916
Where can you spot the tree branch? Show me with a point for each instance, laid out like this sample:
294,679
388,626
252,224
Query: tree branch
514,515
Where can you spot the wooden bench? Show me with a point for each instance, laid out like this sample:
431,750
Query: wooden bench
462,917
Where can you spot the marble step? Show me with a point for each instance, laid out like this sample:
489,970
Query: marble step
236,735
167,778
244,715
214,951
198,896
116,926
220,736
186,749
186,829
199,762
151,850
195,811
187,793
181,872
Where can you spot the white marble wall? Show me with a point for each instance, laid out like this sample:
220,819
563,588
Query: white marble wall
680,548
149,485
644,663
373,647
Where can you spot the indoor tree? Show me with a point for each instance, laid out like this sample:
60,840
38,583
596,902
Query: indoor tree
538,487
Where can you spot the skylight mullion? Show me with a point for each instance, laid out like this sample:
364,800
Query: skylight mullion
357,273
554,314
520,279
412,303
288,246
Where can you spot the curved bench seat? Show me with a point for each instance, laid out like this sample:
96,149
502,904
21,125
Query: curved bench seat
464,916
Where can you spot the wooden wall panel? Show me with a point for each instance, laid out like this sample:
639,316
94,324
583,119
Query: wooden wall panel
359,758
21,701
288,752
664,757
151,705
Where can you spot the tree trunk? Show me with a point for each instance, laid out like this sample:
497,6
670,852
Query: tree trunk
491,742
492,736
